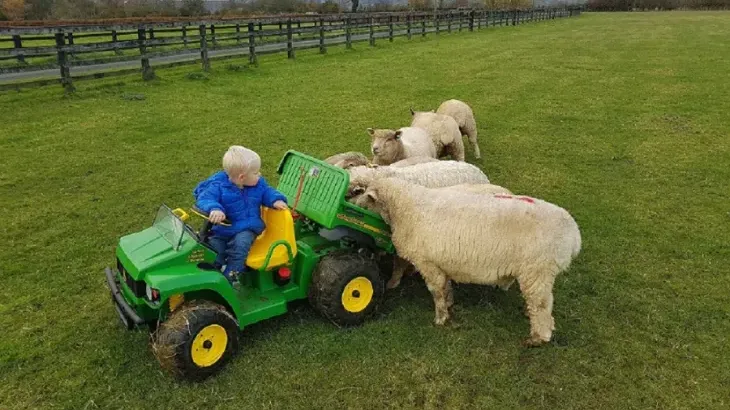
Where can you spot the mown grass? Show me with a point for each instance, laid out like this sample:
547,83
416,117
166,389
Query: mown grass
619,118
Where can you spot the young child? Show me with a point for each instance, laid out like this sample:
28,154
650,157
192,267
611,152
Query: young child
236,193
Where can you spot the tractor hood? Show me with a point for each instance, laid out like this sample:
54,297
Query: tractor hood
149,249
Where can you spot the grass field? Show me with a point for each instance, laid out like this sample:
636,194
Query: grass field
620,118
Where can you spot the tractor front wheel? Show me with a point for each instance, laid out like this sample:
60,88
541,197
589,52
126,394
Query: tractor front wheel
346,287
196,340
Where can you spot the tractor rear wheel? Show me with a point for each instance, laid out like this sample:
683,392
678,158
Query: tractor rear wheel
346,287
196,340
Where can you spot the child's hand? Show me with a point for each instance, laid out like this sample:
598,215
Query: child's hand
216,216
280,205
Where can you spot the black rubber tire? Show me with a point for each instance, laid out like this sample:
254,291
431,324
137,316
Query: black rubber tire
332,274
174,339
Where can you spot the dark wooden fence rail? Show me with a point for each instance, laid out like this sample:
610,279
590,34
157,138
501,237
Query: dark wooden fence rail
96,51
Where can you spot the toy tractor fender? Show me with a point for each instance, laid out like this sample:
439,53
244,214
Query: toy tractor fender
202,285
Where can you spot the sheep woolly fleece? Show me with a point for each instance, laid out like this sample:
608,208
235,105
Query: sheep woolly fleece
444,132
431,174
464,116
347,160
482,239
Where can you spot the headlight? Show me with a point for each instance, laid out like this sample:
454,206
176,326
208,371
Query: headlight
152,294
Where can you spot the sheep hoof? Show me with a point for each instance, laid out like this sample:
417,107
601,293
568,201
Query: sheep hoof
533,341
441,321
392,284
454,325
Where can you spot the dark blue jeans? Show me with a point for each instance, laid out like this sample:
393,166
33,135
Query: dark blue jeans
232,251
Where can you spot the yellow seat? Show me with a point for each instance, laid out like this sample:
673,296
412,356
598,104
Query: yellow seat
279,226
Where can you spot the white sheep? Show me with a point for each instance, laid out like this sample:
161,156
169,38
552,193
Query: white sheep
444,132
389,146
347,160
487,189
464,116
483,239
432,174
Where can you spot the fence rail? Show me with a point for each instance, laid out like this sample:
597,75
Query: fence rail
65,54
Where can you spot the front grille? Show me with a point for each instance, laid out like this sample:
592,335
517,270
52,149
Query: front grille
136,286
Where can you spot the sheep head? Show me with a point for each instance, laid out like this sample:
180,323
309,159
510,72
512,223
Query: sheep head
385,144
369,199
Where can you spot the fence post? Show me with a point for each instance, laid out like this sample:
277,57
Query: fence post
408,24
372,33
261,31
451,15
438,22
322,48
471,20
117,51
184,30
213,36
299,28
289,41
479,20
423,26
252,45
390,28
348,38
204,47
71,42
63,64
238,33
147,72
17,44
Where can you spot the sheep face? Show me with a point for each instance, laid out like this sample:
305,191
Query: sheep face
385,143
353,192
369,201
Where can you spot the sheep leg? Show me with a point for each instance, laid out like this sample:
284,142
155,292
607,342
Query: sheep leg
456,150
438,284
472,135
538,294
399,267
449,295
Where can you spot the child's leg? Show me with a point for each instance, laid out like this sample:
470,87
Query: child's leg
237,250
219,245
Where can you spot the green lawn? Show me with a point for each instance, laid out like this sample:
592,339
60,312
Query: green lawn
620,118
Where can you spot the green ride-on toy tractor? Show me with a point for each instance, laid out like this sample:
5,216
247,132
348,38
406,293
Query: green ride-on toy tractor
325,249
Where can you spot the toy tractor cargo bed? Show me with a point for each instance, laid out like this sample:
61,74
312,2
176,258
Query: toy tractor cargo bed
317,189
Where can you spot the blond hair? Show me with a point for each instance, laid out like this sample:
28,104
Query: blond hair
240,159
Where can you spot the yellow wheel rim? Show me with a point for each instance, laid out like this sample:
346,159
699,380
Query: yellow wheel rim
209,345
357,294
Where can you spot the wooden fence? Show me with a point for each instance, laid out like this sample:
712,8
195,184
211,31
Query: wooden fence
43,55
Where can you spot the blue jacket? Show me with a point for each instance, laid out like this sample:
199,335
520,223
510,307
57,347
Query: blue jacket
242,206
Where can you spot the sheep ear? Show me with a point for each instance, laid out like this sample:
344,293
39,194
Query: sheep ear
371,131
372,195
398,134
412,112
358,190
